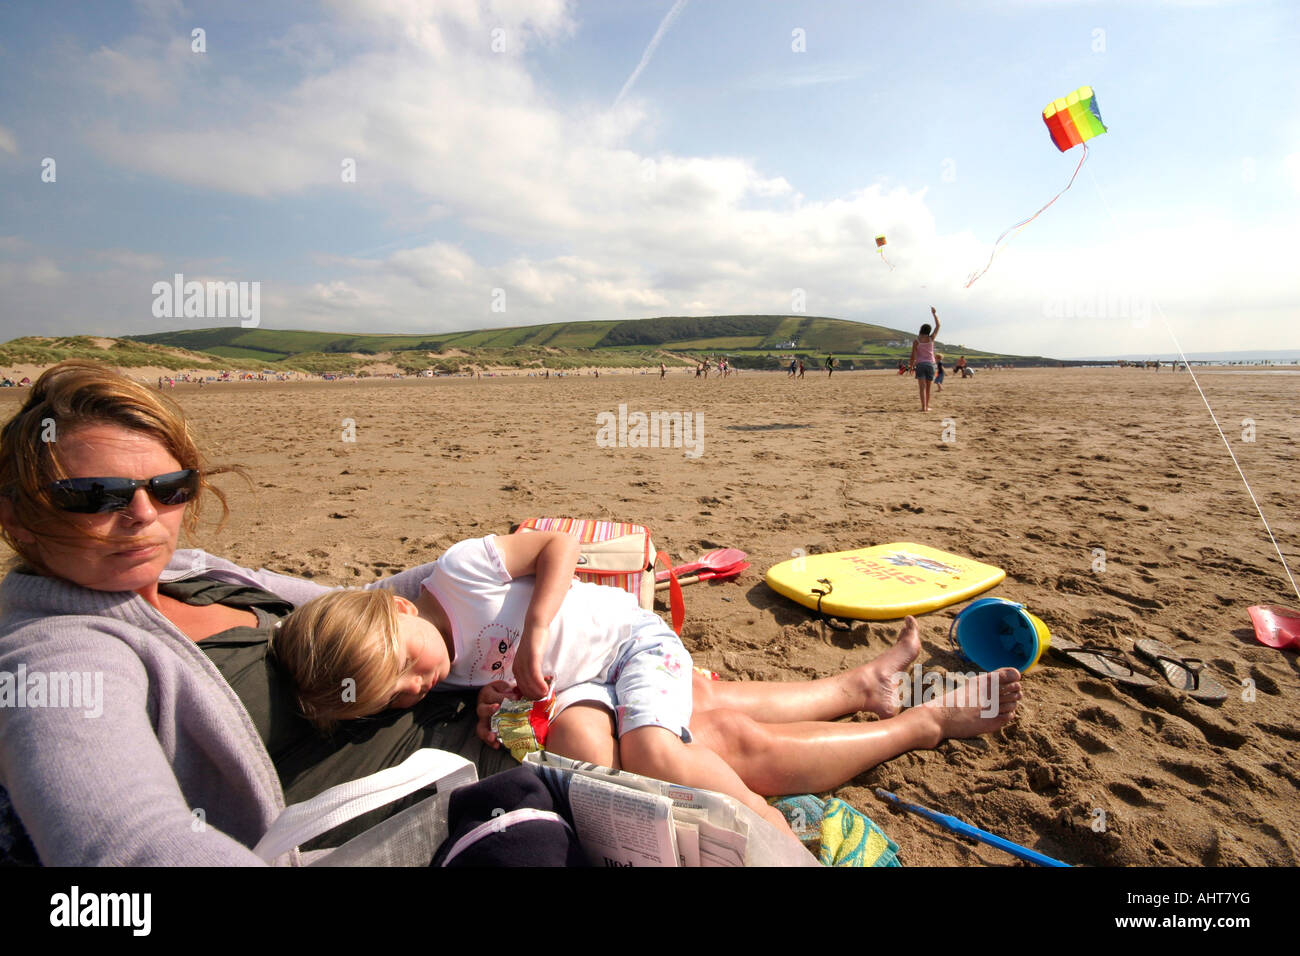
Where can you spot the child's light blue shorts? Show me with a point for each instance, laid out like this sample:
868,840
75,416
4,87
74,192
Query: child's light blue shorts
648,684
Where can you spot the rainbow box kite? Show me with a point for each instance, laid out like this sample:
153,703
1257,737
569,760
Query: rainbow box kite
1073,119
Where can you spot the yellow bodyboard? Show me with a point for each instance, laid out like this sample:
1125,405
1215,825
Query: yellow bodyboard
883,582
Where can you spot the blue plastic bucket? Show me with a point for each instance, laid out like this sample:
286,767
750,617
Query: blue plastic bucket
994,632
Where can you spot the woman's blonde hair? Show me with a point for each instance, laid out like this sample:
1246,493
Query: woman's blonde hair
343,652
68,396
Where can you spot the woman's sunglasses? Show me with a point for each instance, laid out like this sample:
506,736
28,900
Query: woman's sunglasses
93,496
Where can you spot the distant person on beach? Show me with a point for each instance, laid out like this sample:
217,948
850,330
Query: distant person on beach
790,371
830,365
507,607
801,368
663,370
939,373
923,359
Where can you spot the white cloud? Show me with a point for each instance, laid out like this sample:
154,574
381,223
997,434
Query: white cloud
41,271
130,260
146,71
159,11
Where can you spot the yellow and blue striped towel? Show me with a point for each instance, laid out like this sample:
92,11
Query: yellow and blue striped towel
845,836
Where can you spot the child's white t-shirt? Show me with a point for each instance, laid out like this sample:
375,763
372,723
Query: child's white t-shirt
487,607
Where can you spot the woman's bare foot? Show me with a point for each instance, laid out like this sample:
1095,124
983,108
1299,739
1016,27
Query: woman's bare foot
875,684
977,707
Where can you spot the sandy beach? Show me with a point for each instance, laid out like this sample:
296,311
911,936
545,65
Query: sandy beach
1043,468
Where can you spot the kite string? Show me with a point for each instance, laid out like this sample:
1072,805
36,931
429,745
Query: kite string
970,281
1214,418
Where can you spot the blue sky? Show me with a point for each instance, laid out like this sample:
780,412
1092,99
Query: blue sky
758,150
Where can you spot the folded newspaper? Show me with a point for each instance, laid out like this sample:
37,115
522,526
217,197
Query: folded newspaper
624,819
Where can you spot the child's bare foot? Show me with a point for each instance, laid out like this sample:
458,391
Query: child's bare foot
981,706
875,682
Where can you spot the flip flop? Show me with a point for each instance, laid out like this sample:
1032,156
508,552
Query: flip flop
1183,673
1102,661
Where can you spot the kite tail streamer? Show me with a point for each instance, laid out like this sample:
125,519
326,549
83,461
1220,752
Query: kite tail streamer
970,281
884,260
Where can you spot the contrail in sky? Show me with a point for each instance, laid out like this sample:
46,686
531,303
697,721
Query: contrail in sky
667,22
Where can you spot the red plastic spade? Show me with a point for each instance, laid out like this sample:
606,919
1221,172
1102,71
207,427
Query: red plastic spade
1276,626
711,560
715,574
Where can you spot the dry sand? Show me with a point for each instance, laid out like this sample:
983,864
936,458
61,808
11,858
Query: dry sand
1046,466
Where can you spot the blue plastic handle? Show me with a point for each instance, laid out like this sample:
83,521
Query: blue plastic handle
975,833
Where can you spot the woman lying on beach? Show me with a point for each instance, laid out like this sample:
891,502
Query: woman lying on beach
509,608
188,740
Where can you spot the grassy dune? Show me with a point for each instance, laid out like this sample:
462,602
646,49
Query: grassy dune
750,341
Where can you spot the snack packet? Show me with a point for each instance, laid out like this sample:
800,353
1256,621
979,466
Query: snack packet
522,725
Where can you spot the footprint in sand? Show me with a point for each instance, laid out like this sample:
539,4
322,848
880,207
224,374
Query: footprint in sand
1189,772
1131,795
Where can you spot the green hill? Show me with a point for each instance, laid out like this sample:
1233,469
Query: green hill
752,341
749,332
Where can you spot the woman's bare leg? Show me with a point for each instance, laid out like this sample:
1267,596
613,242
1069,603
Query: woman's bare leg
812,757
659,753
871,687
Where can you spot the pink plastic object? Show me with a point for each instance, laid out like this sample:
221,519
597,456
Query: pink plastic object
708,574
721,574
712,560
1276,626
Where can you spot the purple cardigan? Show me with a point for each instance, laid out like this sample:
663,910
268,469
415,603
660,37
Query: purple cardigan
120,742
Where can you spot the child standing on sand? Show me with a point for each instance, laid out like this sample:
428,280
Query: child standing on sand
508,609
923,359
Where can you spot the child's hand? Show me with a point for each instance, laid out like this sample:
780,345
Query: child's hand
489,702
532,683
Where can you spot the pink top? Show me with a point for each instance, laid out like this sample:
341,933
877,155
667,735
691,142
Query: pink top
925,349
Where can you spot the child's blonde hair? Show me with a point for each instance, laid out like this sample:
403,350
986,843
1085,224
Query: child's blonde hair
337,638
